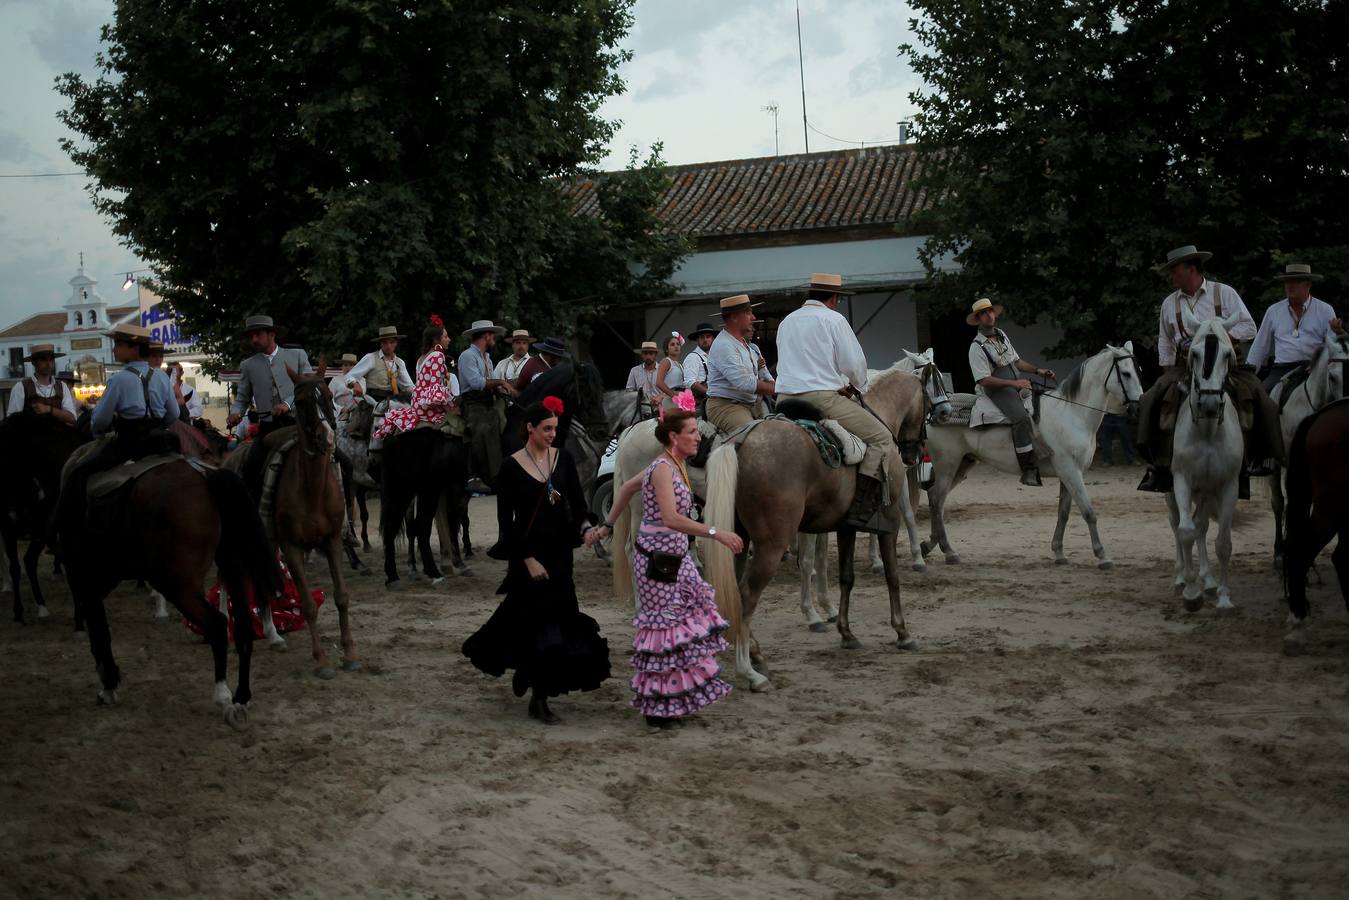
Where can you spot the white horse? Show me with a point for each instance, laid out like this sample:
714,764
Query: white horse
1205,461
1070,416
1326,383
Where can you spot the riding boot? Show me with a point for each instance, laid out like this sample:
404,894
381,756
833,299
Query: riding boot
1030,470
1156,479
865,502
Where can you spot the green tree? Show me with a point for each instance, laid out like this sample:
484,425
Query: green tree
1070,143
346,163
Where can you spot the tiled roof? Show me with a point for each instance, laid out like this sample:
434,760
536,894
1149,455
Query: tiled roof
55,323
780,194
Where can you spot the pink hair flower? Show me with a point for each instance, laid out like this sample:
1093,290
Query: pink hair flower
678,336
684,400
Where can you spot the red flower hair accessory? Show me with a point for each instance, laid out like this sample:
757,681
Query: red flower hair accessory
436,322
554,405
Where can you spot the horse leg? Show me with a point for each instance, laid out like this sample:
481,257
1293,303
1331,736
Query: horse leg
294,557
758,573
918,564
1223,546
847,546
463,521
89,599
365,518
822,593
805,565
1276,505
1178,570
1203,514
1065,507
428,510
15,572
1341,560
890,558
874,554
1078,487
1193,593
343,601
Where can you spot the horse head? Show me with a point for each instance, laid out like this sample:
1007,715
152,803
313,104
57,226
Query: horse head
1123,381
1328,368
1211,355
314,412
934,384
589,390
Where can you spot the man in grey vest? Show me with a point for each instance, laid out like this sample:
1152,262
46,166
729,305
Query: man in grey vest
265,382
42,394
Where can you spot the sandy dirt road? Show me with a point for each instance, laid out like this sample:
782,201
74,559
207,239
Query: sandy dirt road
1063,731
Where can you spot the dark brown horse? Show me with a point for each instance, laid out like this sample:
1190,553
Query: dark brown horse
308,509
1318,502
175,523
33,449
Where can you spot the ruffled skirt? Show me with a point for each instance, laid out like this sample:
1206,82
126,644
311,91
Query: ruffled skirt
678,633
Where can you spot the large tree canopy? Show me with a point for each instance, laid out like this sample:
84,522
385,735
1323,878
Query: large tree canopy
341,164
1071,143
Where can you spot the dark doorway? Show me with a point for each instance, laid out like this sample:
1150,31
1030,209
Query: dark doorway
951,339
611,350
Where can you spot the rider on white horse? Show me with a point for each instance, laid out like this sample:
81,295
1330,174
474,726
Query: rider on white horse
999,392
821,362
1204,299
1293,329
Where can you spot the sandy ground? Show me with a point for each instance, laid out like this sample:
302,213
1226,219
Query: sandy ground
1063,731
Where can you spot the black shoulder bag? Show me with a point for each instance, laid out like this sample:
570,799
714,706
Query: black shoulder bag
661,566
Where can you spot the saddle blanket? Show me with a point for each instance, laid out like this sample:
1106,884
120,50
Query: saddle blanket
102,484
850,447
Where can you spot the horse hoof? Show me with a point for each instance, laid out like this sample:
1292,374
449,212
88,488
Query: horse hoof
42,612
833,619
236,716
1105,565
1194,604
365,546
107,698
1178,588
920,568
438,581
351,665
278,643
1060,561
393,585
325,673
852,644
465,572
818,627
760,685
907,644
1225,610
364,570
1294,644
879,569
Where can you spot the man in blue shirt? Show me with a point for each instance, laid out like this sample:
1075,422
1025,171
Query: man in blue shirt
482,400
131,417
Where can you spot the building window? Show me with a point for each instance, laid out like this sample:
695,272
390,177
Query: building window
79,319
93,317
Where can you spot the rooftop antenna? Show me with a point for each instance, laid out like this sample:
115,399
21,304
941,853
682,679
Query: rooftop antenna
772,108
801,59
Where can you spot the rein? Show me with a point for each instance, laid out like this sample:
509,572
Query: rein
1043,389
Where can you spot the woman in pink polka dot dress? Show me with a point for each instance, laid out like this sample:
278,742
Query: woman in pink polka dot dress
430,398
678,628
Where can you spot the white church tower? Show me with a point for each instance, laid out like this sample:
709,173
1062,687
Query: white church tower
85,309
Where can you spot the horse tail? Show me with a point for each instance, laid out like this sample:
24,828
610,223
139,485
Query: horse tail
723,472
1296,518
623,534
244,549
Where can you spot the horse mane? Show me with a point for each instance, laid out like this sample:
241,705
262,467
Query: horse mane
1069,387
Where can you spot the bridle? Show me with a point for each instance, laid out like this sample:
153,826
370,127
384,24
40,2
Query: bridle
1330,361
1044,390
1197,394
309,411
934,389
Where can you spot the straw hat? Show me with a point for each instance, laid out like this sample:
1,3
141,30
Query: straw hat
135,334
387,333
521,334
1185,254
738,303
833,284
259,323
647,345
481,325
979,306
1297,272
349,359
43,350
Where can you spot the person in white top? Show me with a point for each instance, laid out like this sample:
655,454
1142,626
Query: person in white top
42,394
695,364
186,394
382,370
670,372
821,362
1294,328
642,377
509,368
1206,299
337,385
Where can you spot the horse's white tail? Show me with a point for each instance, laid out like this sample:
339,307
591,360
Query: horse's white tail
723,471
623,534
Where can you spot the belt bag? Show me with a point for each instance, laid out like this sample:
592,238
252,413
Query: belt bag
661,566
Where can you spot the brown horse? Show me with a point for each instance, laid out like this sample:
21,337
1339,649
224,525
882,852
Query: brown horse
308,509
1318,502
177,522
774,485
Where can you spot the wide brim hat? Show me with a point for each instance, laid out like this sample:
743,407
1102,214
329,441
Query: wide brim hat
1188,253
43,350
481,325
824,282
647,345
979,306
156,345
552,345
388,333
703,328
350,359
738,303
521,334
132,334
1298,272
259,323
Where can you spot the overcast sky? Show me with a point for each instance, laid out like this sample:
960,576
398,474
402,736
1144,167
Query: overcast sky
701,71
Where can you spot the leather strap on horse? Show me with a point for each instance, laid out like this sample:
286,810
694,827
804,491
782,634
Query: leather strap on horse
826,443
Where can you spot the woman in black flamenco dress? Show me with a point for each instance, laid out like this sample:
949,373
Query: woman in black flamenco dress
538,629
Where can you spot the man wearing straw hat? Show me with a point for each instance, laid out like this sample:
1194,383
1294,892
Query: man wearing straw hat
132,415
1206,299
42,394
509,369
1294,328
821,362
483,402
382,372
734,385
265,382
642,378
